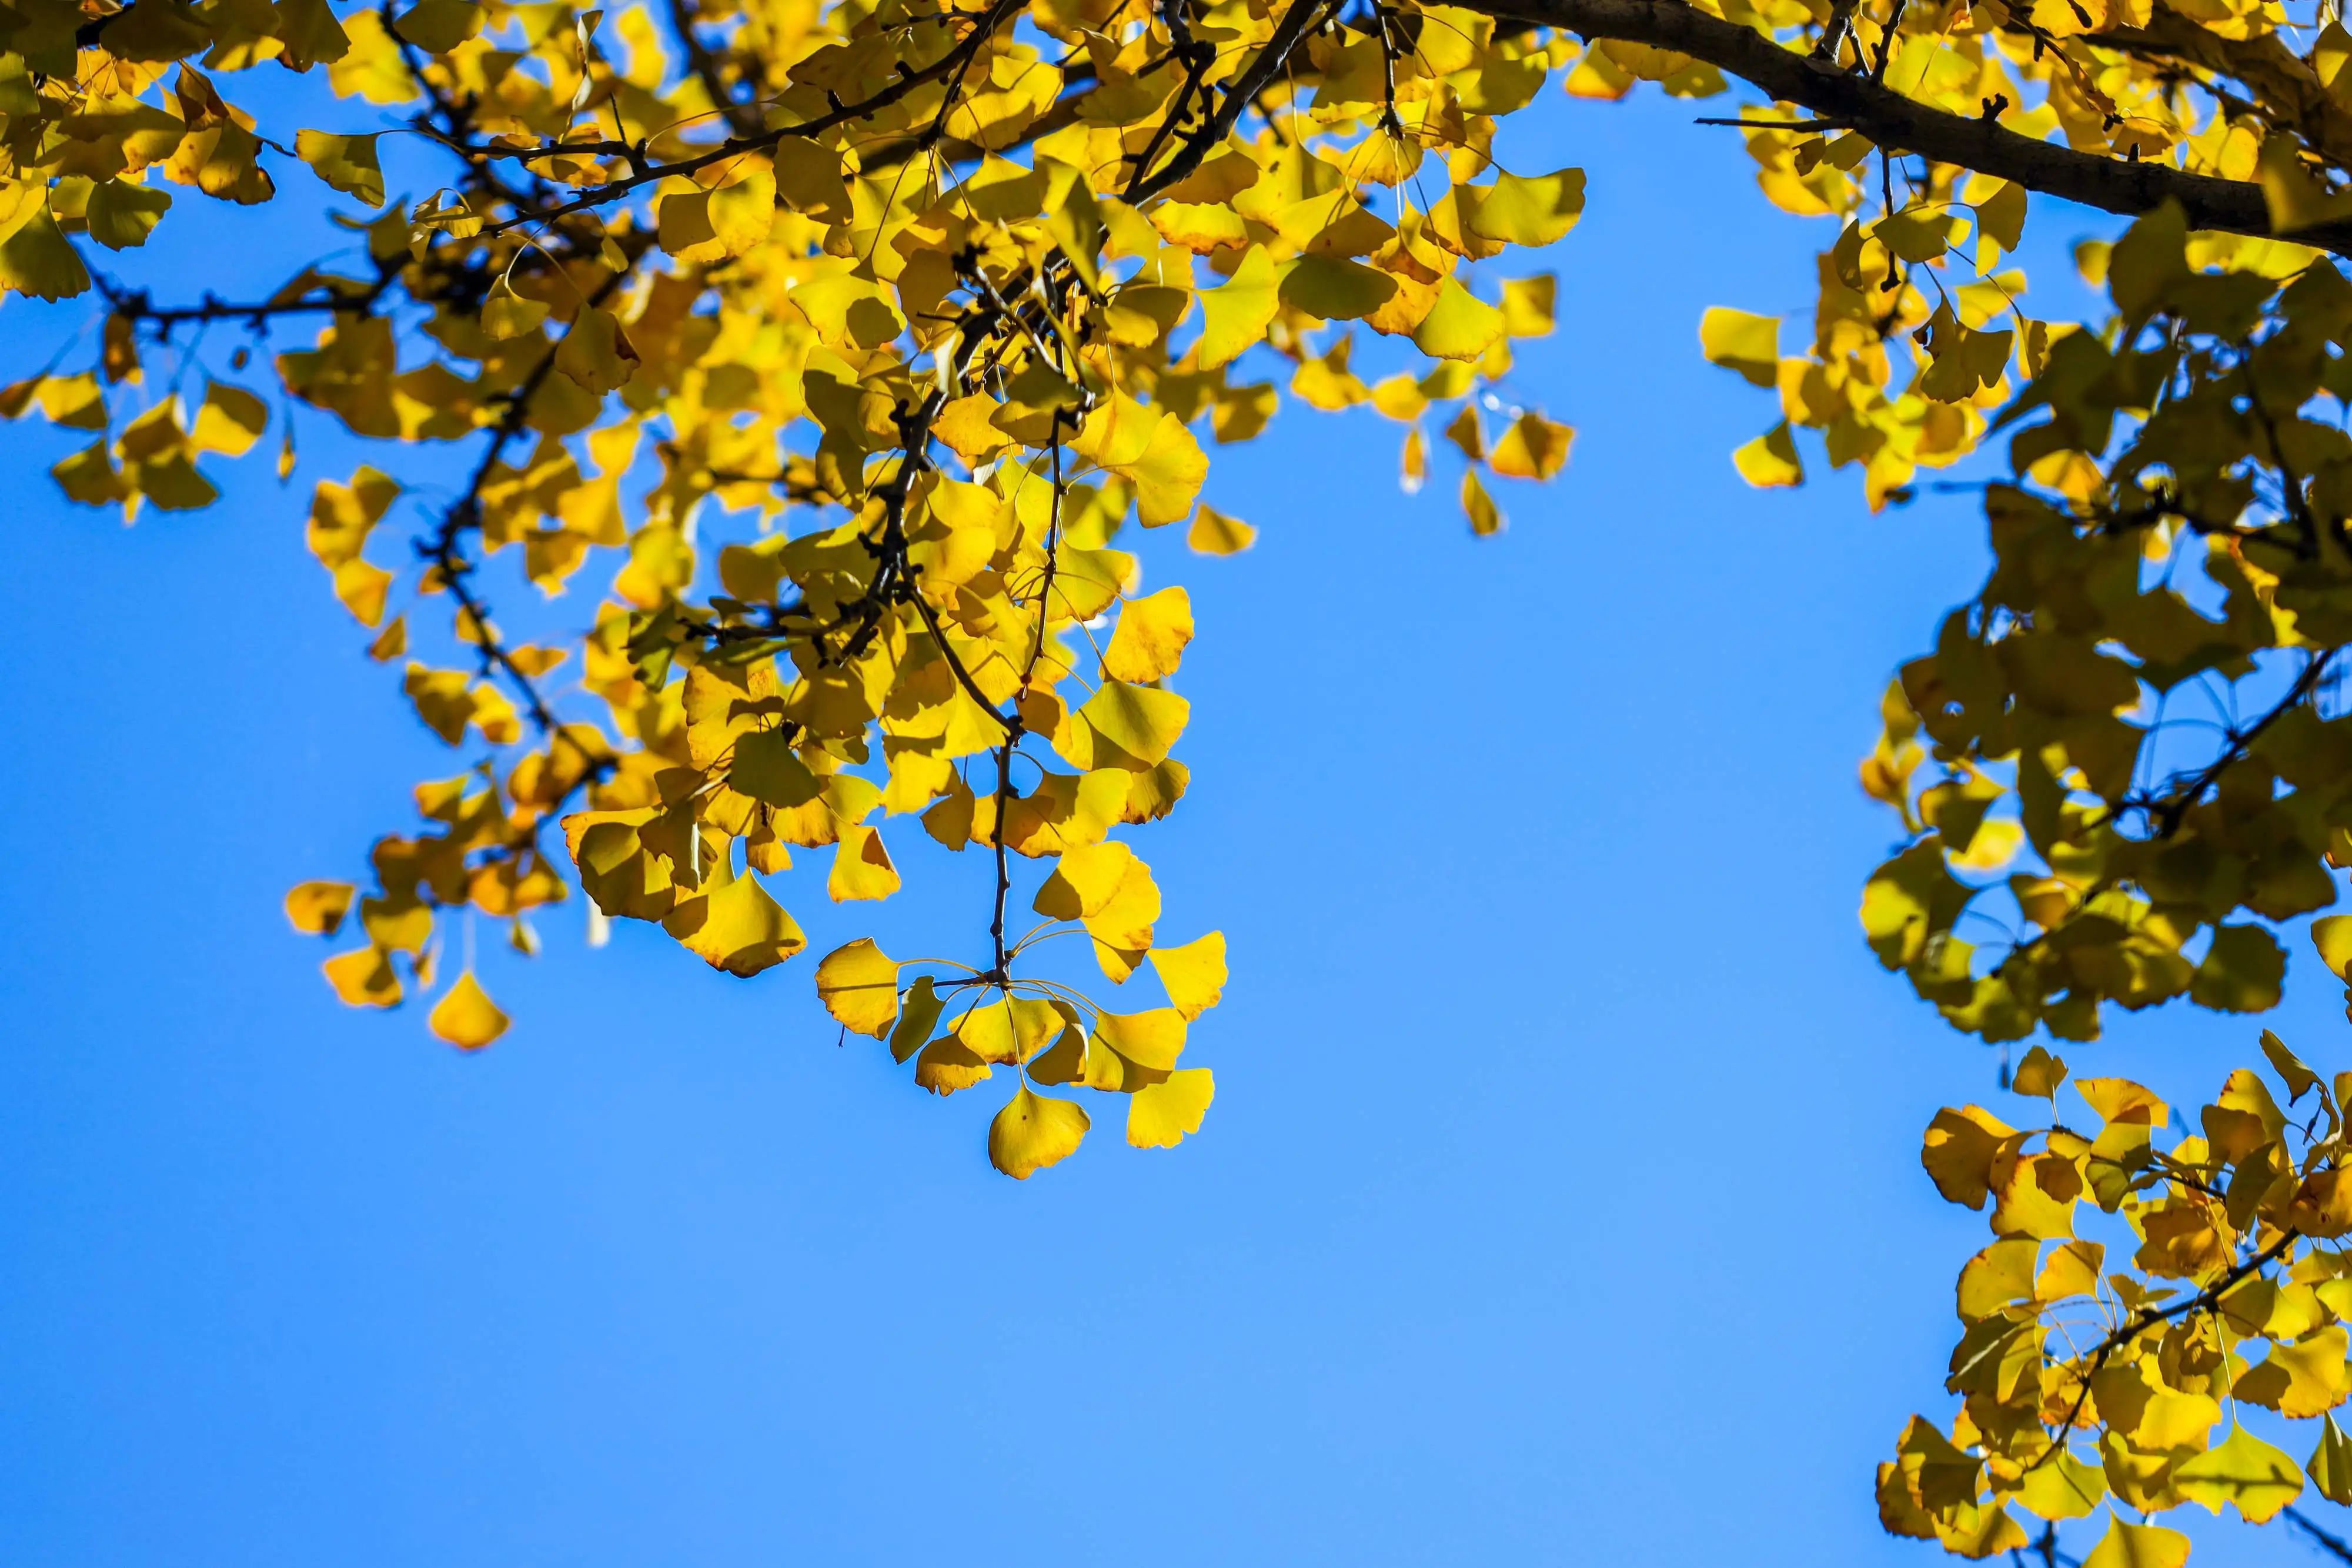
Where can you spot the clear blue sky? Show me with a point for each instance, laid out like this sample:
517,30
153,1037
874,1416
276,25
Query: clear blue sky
1561,1201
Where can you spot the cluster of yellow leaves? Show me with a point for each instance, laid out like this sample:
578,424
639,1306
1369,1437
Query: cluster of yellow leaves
1052,1037
851,339
2092,1373
2123,748
1917,322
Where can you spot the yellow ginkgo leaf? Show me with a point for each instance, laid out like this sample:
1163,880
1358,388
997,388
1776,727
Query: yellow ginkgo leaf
682,221
2241,1469
1150,640
1123,725
317,908
918,1012
1032,1131
1743,342
948,1064
1486,518
436,26
506,314
734,925
465,1017
1335,289
364,977
2301,1379
861,867
2139,1546
2331,935
1532,448
1528,305
1532,210
743,213
231,420
2039,1075
1994,844
595,354
1213,533
36,257
1460,326
1153,1039
1009,1030
1770,462
120,216
2063,1487
1960,1150
1193,975
348,163
362,586
858,984
1159,1116
1235,314
2330,1468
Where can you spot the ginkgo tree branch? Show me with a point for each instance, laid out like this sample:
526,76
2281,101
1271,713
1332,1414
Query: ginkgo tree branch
2334,1545
2149,1317
343,296
2285,89
1898,122
951,64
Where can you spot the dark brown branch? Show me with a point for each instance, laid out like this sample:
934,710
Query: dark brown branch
1896,122
1240,93
2147,1318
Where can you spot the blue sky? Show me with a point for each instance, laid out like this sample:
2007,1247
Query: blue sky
1561,1201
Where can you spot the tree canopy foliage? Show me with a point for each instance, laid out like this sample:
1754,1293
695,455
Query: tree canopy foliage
851,337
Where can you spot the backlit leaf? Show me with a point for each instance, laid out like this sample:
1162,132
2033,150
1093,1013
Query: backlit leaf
465,1017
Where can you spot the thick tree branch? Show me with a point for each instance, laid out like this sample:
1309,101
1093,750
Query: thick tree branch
1900,123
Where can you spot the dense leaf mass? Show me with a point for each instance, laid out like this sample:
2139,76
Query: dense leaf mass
849,346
